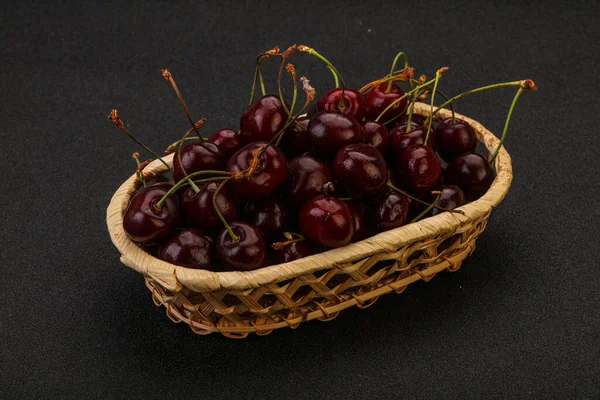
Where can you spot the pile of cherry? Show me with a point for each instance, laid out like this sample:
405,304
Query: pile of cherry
290,184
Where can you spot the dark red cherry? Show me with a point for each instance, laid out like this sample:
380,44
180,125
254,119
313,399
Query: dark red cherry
249,252
312,111
228,141
144,222
270,215
361,169
189,248
472,173
360,214
327,221
416,118
197,157
262,119
378,99
200,211
400,138
376,135
290,252
270,175
296,140
419,168
329,131
306,178
391,211
453,139
354,102
452,197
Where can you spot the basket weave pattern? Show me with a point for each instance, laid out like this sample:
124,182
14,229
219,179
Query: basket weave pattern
316,287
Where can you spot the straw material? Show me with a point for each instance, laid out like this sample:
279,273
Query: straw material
319,286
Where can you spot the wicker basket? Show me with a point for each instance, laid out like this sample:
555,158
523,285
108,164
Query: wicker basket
316,287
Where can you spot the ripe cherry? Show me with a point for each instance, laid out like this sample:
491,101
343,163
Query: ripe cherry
452,197
291,251
361,169
392,210
196,157
360,214
189,248
327,221
296,140
454,139
262,119
268,177
419,168
472,173
354,102
200,211
270,215
400,138
144,222
376,135
378,99
228,141
247,253
329,131
307,177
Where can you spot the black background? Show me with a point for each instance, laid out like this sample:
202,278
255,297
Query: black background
520,319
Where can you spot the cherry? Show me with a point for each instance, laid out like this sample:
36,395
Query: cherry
228,141
354,102
472,173
307,177
262,119
329,131
378,99
290,252
400,138
391,211
247,253
454,138
452,197
268,177
312,111
296,140
327,221
359,214
144,222
361,169
270,215
376,135
189,248
420,168
197,157
199,208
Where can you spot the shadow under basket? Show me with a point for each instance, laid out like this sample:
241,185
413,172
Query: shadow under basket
316,287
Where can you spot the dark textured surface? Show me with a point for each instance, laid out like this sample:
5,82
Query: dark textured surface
521,319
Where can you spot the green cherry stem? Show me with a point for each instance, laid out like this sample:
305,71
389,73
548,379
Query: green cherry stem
172,146
234,237
114,117
192,184
510,111
290,69
169,77
391,186
334,70
437,198
443,95
284,56
391,74
258,73
183,181
281,245
138,171
398,100
438,74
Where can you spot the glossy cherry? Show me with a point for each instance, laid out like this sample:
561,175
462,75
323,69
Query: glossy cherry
200,211
249,252
392,210
306,179
270,215
290,252
472,173
262,119
329,131
378,99
361,169
419,168
144,222
189,248
401,139
296,140
454,139
376,135
360,214
327,221
228,141
197,157
354,102
269,176
452,197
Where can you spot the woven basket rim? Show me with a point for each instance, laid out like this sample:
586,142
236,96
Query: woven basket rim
174,277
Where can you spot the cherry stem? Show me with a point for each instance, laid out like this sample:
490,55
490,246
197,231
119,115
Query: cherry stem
221,217
510,111
284,56
172,146
403,75
335,77
400,54
192,184
114,117
334,70
437,198
398,100
292,72
167,75
443,95
183,181
138,171
290,235
281,245
391,186
438,74
258,73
